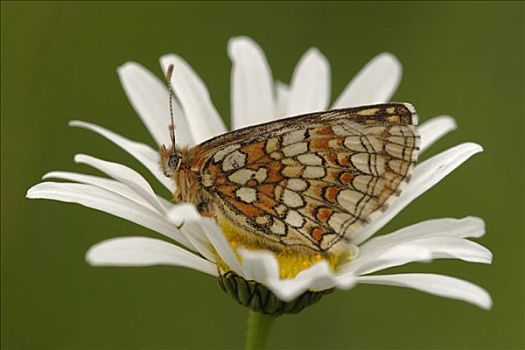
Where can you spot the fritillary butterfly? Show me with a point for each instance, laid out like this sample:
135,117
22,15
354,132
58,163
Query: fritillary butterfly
302,183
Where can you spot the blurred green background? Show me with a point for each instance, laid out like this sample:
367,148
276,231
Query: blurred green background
58,62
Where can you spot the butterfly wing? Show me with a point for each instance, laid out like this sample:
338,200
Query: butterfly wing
310,180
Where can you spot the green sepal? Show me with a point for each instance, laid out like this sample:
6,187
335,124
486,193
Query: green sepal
259,298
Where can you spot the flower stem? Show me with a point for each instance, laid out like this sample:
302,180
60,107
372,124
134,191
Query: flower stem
258,327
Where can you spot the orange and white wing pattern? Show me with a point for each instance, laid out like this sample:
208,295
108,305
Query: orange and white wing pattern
309,181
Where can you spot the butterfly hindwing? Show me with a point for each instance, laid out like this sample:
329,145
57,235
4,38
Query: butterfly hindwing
313,179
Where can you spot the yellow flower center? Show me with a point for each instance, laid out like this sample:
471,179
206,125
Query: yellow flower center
291,261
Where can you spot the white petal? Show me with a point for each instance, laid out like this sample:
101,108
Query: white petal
183,212
311,85
150,99
448,227
444,286
315,276
193,232
196,235
221,245
318,277
418,250
251,84
262,267
101,182
124,175
376,82
321,277
106,184
426,175
435,128
143,153
187,217
109,202
204,121
283,95
142,251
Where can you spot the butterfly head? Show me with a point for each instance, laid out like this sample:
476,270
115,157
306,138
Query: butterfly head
170,160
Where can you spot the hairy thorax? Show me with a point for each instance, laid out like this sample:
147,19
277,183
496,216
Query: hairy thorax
188,183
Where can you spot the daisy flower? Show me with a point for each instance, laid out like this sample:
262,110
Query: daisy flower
255,278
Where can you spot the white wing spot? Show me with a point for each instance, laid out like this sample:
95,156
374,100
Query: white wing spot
360,161
337,220
400,140
375,142
397,151
278,227
281,209
313,172
272,145
293,137
234,161
261,175
310,159
223,152
246,194
292,171
354,143
354,202
294,219
399,130
278,191
292,199
262,220
295,149
348,199
370,111
290,161
297,184
343,130
276,155
328,239
368,184
241,176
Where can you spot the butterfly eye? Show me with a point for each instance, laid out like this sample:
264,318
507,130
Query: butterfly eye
174,161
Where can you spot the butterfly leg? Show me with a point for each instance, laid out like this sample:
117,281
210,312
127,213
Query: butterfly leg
203,207
208,214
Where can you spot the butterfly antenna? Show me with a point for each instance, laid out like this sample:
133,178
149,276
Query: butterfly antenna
169,74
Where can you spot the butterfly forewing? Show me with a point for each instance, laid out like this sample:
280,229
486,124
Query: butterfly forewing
309,181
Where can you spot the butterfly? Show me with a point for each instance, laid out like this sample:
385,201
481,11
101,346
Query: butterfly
305,183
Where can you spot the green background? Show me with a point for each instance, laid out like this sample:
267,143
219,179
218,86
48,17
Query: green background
58,62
